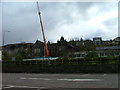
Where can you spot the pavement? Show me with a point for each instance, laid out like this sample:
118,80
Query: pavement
18,81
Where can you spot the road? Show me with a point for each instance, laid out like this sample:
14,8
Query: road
59,81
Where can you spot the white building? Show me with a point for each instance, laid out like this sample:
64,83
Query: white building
97,40
108,51
80,54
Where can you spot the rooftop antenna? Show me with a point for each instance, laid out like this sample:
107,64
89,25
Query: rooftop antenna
45,45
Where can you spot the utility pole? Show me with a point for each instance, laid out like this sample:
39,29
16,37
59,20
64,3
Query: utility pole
4,37
45,44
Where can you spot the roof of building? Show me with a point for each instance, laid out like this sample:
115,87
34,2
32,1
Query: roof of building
108,48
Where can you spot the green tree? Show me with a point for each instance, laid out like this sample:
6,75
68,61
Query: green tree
5,56
92,55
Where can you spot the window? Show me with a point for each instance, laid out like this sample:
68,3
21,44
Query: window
37,50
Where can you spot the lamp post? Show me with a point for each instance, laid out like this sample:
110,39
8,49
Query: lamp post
4,36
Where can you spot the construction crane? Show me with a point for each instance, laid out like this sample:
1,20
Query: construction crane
45,44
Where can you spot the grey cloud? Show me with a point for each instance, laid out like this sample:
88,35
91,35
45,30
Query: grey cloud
61,12
111,22
0,24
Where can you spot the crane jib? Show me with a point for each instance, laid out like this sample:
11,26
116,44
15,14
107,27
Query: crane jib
45,44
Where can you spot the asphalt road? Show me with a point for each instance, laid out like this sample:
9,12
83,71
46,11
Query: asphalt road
59,81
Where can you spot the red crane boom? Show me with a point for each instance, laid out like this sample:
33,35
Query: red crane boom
45,45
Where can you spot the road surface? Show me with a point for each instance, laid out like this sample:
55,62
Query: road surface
59,81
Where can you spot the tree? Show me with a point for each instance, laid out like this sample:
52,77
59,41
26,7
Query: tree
92,55
5,56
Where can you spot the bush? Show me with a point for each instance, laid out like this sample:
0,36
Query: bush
92,55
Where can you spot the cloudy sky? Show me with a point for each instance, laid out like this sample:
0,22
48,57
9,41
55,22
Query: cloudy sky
68,19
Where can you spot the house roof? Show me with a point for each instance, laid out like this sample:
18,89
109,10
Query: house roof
108,48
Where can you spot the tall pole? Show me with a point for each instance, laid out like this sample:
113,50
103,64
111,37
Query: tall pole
4,37
45,44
